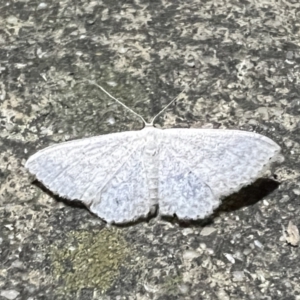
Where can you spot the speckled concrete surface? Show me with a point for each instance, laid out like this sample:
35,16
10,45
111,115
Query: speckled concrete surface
242,60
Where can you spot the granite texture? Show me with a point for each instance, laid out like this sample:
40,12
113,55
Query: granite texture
242,61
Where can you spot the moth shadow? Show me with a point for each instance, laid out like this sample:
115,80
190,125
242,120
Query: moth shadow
71,203
248,195
78,204
245,197
152,215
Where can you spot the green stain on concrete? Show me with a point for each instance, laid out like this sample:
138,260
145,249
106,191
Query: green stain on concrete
170,285
88,260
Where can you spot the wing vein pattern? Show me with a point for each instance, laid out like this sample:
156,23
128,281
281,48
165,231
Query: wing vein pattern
105,172
200,166
121,176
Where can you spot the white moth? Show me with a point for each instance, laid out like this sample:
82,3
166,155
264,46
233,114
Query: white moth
124,176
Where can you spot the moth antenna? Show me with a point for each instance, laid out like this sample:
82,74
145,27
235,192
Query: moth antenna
119,102
170,103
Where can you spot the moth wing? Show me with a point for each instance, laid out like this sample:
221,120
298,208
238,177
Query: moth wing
105,172
199,166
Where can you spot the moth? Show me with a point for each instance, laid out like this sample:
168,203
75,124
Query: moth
124,176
